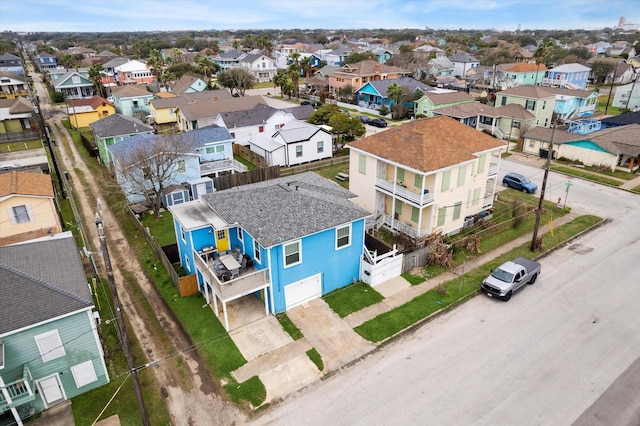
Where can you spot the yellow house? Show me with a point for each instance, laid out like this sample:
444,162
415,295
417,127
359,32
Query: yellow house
163,108
27,208
83,112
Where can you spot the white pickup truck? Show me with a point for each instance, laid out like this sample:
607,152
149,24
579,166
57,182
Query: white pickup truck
510,277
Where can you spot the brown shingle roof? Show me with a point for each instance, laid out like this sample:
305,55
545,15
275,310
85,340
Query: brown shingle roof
526,68
446,98
25,183
211,108
369,67
131,91
94,102
428,144
529,91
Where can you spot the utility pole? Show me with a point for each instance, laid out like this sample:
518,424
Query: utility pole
44,132
544,186
615,70
123,331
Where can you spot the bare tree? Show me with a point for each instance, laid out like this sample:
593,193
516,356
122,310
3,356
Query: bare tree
237,79
145,171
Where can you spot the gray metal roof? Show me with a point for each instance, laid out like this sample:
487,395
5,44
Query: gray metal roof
298,131
286,209
118,125
40,280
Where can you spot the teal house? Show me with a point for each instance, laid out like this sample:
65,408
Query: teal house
50,350
375,92
114,129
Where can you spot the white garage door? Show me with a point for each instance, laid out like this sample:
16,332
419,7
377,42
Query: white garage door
303,291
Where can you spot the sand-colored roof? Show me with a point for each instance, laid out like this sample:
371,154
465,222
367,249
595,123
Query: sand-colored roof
25,183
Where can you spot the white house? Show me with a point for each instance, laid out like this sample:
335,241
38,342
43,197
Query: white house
262,67
628,96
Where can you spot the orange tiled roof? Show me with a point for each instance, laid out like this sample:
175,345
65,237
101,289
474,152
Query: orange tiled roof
25,183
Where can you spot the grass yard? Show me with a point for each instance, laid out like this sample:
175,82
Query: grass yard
352,298
331,172
20,146
459,289
573,171
162,229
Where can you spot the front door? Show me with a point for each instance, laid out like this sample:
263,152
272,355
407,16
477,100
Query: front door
222,240
51,390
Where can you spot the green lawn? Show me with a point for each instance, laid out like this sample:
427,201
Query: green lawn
459,289
331,172
162,229
586,175
20,146
353,298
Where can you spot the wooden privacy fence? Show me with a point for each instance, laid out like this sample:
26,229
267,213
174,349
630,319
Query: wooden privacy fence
414,259
249,155
252,176
288,171
188,285
156,248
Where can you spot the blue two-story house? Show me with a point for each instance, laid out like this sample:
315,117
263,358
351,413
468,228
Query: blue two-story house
286,241
46,61
568,76
203,152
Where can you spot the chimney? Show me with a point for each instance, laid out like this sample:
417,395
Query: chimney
377,69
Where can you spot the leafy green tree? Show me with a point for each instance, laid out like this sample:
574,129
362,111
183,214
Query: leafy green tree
207,66
323,114
346,93
293,71
95,73
355,57
543,53
601,69
348,127
237,79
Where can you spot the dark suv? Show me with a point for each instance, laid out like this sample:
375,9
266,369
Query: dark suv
519,182
378,122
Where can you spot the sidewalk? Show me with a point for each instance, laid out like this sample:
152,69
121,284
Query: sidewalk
398,291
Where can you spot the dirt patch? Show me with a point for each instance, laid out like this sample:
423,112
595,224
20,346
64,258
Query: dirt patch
202,402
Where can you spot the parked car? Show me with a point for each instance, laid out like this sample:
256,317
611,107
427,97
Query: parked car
314,104
364,119
510,277
519,182
378,122
345,112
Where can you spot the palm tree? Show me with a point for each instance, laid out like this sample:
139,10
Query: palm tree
305,65
542,54
177,55
95,75
396,93
265,45
156,63
207,66
294,72
280,80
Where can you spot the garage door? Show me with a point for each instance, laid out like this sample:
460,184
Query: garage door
303,291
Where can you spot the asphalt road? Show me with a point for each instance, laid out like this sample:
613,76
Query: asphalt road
544,358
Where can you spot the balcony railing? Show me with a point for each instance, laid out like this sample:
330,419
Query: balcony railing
210,167
19,392
245,283
553,82
396,189
401,227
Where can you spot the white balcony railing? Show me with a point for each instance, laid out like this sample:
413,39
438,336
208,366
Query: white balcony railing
401,227
553,82
245,283
398,191
210,167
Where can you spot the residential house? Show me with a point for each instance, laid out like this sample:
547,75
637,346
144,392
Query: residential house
228,60
297,142
13,85
106,56
618,48
198,114
27,208
87,52
297,238
11,63
463,62
207,152
262,67
73,84
425,176
512,75
188,84
337,56
504,122
573,103
109,71
617,148
569,76
358,74
133,72
83,112
175,55
49,341
440,67
28,160
536,99
17,120
621,120
114,129
381,54
524,56
374,93
46,61
427,51
163,110
132,100
623,73
429,102
259,122
599,48
627,96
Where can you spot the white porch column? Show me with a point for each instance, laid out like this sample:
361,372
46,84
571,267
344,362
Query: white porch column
226,317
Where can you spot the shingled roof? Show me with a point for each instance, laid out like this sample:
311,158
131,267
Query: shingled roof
25,183
118,125
428,144
40,280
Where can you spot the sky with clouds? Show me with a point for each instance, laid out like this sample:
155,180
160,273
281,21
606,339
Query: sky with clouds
163,15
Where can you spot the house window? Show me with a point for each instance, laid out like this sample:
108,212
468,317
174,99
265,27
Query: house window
486,120
256,251
292,255
182,166
481,163
462,172
343,236
75,79
398,207
442,214
544,104
50,345
532,144
210,150
476,196
530,104
261,129
546,122
504,101
457,208
240,236
415,214
515,124
298,151
446,177
320,146
362,164
219,148
184,238
21,214
400,175
84,374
